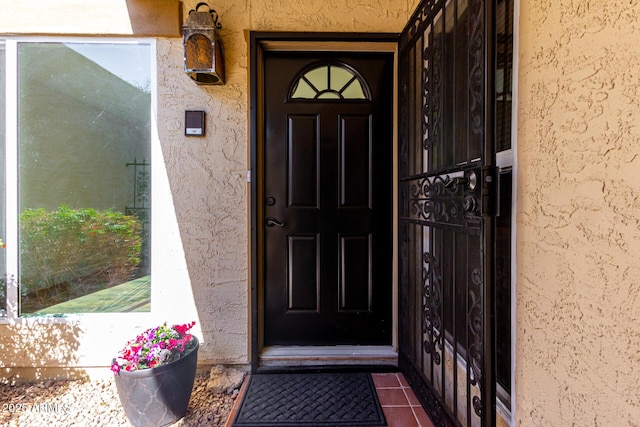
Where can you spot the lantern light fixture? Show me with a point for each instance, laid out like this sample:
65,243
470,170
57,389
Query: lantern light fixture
203,52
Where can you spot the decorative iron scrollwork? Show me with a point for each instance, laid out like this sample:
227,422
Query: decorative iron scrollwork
420,19
477,406
442,199
435,103
475,324
477,71
431,199
426,101
403,125
431,304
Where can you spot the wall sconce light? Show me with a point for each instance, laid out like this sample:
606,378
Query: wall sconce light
203,53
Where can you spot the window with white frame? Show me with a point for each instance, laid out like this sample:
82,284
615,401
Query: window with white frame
77,135
3,275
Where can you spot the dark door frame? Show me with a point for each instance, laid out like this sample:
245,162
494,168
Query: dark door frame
295,41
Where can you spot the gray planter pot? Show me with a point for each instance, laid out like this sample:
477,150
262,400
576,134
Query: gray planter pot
158,396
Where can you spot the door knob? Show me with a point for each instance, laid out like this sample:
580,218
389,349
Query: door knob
272,222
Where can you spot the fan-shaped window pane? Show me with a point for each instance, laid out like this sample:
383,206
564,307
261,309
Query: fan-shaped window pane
354,91
304,91
318,77
340,78
329,81
328,95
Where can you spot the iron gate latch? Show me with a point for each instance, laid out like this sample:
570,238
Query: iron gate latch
490,182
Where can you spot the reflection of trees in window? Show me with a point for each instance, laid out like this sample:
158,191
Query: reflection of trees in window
329,81
73,156
69,253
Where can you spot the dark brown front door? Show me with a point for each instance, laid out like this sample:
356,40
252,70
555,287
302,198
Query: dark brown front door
327,201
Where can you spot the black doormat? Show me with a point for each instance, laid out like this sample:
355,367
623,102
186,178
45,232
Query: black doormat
310,399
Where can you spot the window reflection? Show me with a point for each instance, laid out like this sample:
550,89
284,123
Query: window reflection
83,141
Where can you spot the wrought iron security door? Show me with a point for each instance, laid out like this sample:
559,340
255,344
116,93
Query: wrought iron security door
446,186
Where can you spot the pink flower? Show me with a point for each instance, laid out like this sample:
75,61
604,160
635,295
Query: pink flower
182,329
154,347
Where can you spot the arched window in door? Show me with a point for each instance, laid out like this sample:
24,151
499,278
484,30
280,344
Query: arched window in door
329,81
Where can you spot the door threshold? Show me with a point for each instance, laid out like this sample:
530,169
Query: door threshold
339,355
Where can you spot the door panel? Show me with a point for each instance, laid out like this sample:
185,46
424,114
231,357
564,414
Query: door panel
303,286
303,157
355,161
327,199
355,274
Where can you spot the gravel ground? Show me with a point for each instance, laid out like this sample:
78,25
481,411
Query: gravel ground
95,403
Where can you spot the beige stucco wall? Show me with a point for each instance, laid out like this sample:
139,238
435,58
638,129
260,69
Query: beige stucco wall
578,297
200,193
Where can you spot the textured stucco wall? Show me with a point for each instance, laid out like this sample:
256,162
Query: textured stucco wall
578,220
207,176
200,199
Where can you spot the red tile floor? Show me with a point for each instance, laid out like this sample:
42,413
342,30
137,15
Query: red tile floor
399,404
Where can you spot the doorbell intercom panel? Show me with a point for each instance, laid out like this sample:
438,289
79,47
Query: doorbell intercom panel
194,123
